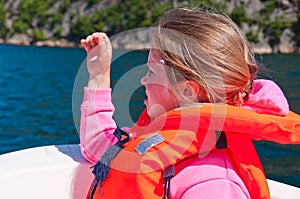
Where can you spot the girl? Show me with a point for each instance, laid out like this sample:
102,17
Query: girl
194,138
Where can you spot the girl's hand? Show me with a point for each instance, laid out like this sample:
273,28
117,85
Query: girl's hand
99,53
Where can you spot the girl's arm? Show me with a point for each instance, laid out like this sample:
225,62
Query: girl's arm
99,55
213,176
97,125
215,189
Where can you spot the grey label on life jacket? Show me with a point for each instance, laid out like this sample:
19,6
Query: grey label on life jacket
149,142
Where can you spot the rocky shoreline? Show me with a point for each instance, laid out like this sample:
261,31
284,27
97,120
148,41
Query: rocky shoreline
63,43
271,26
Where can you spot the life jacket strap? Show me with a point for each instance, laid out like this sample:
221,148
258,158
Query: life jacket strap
221,142
168,175
102,168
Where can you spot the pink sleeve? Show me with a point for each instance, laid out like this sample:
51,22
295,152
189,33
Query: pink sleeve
96,125
213,176
215,189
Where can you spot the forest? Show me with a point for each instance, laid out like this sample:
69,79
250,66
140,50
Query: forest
35,20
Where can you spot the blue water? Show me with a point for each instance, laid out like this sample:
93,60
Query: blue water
36,100
35,96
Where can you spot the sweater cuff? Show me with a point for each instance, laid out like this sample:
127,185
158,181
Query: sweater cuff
94,97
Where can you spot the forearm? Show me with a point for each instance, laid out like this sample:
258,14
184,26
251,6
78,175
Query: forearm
97,125
100,81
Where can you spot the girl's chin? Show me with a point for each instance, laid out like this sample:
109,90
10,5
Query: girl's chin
146,102
155,110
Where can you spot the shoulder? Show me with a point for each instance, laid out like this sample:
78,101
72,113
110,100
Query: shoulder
212,176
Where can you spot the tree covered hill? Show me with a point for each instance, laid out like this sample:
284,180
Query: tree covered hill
270,25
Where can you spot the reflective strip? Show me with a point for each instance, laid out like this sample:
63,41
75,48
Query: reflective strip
149,142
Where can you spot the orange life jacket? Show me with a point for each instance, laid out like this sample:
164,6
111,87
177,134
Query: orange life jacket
190,132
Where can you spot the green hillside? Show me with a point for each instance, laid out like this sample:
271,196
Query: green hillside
269,23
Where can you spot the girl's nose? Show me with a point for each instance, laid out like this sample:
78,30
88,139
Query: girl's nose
144,80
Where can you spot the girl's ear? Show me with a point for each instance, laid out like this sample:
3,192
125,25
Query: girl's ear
190,90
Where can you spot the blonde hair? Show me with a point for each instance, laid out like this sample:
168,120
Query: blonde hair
209,49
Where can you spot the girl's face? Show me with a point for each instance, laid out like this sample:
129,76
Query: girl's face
159,91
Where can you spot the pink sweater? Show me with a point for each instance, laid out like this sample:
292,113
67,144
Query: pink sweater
201,178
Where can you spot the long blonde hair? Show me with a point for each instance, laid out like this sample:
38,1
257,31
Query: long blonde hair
209,49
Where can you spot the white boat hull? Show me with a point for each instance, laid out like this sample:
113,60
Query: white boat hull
61,172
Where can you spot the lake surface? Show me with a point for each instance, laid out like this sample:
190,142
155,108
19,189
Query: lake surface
37,89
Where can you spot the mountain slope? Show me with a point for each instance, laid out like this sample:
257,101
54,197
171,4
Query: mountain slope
270,25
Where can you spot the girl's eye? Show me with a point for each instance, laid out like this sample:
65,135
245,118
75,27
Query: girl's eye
150,73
